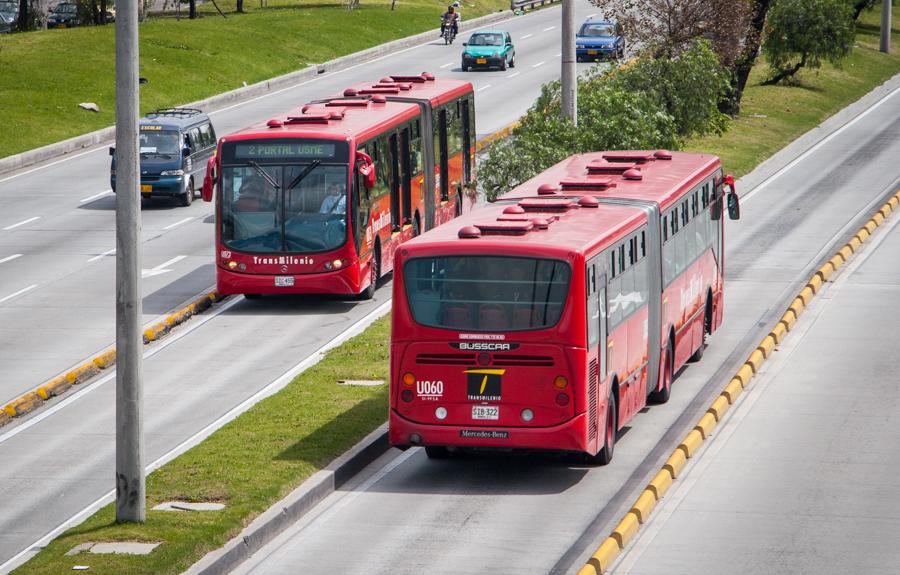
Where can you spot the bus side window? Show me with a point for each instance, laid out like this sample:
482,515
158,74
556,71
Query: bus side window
604,331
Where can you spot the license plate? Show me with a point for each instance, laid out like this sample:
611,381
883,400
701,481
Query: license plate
481,60
146,188
592,52
284,281
485,412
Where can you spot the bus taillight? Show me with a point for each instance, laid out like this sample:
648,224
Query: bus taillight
560,382
562,399
409,378
406,395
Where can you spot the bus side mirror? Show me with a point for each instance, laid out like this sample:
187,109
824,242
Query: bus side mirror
209,180
112,150
366,167
734,203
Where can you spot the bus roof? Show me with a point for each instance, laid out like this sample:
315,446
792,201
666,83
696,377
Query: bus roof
361,111
660,176
534,226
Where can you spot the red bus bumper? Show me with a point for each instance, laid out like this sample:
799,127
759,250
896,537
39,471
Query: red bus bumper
570,435
339,282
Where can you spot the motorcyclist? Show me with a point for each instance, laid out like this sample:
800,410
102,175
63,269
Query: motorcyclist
451,17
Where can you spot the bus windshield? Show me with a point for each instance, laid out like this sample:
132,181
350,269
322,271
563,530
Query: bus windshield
486,293
296,208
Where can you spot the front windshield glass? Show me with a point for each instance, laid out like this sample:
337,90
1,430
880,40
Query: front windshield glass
159,142
486,293
597,31
8,10
266,209
486,40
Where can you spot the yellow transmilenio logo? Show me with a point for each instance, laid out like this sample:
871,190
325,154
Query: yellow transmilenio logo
484,384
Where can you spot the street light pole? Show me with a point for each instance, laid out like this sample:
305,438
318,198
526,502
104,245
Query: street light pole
885,27
568,76
130,479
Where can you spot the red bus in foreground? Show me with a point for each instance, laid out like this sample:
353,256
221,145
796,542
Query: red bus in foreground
317,200
547,319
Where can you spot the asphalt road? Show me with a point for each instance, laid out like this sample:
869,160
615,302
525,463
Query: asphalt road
57,220
499,514
802,477
57,298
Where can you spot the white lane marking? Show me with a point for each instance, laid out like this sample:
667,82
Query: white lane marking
41,167
149,273
104,254
485,87
818,145
526,36
513,75
548,29
541,63
178,223
95,196
29,220
195,439
447,65
18,293
558,55
10,258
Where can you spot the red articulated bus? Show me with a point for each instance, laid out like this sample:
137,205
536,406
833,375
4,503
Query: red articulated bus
317,201
547,319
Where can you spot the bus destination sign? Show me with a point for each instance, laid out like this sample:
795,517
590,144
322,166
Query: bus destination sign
268,151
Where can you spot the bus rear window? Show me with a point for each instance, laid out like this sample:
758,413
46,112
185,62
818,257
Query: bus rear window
486,293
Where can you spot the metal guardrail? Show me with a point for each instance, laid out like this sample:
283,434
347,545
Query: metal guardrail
517,5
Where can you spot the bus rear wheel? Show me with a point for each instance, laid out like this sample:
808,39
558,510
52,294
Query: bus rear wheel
605,454
662,394
707,329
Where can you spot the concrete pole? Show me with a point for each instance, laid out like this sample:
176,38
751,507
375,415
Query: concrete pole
130,479
568,74
885,26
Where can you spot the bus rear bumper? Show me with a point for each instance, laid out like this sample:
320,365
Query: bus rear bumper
570,435
339,282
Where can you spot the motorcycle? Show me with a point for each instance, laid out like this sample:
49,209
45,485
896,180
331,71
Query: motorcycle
448,34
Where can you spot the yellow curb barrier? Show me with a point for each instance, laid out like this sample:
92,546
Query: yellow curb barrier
719,407
608,551
626,529
733,390
644,506
706,425
498,135
675,463
60,384
779,332
660,483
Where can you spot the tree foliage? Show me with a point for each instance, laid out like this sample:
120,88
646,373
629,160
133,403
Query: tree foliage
669,27
802,33
860,5
655,103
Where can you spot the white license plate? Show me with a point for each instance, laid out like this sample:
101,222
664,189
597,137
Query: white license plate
485,412
284,281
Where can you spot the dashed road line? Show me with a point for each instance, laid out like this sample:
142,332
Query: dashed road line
95,197
28,221
513,75
10,258
526,36
18,293
541,63
448,64
548,29
178,223
103,255
485,87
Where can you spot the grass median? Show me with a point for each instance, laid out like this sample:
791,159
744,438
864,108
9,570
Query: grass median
45,75
262,455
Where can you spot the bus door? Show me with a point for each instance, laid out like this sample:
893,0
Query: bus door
468,113
406,178
597,338
441,153
394,165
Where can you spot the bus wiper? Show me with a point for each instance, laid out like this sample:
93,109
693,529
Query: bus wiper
304,173
265,175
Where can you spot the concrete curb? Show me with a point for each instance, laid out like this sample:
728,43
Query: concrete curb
287,511
213,103
30,401
611,547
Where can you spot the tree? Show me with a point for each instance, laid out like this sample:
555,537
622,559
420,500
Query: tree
802,33
860,5
731,104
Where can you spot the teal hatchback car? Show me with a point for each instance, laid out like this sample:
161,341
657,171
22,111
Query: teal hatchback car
489,49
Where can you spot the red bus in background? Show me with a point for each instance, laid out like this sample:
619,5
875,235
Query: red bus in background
548,319
316,201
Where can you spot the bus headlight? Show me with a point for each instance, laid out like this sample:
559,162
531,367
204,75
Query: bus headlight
232,265
441,413
527,415
334,265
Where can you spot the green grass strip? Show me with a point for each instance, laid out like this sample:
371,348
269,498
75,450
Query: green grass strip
45,75
261,456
